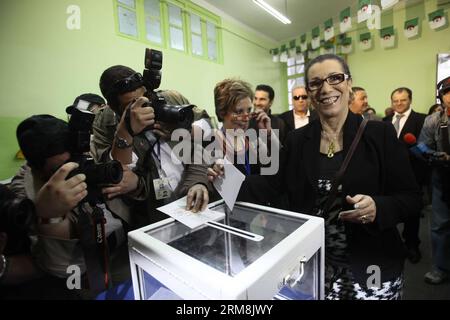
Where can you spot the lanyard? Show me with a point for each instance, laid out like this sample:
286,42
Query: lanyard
246,153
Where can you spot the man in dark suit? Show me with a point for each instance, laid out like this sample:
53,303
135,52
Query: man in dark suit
263,99
405,121
300,115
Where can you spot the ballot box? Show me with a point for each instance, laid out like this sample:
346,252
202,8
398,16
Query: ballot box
251,252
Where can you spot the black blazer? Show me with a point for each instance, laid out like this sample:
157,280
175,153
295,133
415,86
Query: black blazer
379,168
288,118
414,125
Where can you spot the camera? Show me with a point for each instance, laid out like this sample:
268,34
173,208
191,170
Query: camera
97,174
434,158
16,218
182,115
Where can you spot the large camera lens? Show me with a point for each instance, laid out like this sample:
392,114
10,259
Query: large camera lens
103,173
179,115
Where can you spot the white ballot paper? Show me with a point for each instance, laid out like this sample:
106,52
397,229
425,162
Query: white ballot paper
229,184
177,210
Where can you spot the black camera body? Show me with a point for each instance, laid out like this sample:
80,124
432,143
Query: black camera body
179,115
16,219
97,174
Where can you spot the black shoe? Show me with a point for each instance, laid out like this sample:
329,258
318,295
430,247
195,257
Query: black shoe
414,255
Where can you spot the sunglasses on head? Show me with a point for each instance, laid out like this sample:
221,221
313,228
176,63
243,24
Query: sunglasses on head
303,97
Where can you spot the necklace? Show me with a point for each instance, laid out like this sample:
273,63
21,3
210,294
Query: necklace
331,146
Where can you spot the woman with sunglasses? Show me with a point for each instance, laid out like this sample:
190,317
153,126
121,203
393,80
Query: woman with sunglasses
363,251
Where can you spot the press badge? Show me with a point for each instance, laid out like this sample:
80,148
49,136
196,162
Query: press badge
162,188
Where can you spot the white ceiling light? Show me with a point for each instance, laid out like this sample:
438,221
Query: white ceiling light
272,11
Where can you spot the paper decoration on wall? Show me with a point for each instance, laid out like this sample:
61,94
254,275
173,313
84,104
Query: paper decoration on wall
292,48
328,47
346,46
329,30
275,54
437,19
313,54
303,43
364,10
345,20
387,37
284,53
365,41
412,28
386,4
315,42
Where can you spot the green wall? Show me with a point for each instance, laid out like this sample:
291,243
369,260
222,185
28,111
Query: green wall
45,66
412,63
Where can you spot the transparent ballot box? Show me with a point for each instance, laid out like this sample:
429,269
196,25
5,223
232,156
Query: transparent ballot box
253,252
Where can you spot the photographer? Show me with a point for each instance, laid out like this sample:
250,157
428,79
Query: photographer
435,135
121,132
58,195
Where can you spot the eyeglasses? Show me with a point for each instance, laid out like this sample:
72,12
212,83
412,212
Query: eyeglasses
333,79
242,115
303,97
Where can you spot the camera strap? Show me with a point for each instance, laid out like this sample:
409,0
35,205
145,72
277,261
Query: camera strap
95,248
444,132
128,122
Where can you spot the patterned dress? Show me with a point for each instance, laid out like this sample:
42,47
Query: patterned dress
340,283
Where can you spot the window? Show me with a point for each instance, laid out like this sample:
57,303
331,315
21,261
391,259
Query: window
153,21
196,35
174,24
295,73
212,41
126,11
176,34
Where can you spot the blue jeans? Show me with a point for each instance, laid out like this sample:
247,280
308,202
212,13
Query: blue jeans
440,226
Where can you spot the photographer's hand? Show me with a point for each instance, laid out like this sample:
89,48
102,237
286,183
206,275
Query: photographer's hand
141,117
58,196
129,183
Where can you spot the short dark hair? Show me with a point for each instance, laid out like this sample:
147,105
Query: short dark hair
109,78
402,89
41,137
324,57
266,88
356,89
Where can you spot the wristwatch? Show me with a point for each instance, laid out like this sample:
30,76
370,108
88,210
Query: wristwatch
122,143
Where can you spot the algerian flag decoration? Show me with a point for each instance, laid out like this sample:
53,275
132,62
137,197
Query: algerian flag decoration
303,43
387,37
346,45
313,54
284,54
315,42
328,48
365,41
329,30
292,48
364,10
412,28
275,54
346,20
386,4
437,19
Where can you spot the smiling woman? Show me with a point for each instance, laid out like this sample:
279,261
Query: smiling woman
362,195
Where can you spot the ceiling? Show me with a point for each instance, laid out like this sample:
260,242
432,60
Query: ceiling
304,14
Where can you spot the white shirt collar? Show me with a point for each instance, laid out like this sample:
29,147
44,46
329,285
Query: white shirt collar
405,114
